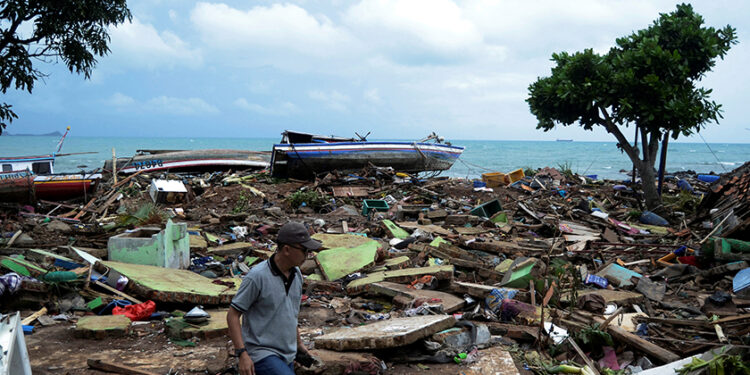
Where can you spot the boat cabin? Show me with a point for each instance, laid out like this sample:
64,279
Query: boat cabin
36,164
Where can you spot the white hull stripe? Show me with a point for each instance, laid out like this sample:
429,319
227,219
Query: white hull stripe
156,165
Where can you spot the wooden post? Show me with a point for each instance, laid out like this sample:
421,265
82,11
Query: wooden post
663,161
114,166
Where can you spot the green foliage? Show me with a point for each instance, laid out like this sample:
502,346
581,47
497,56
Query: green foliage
242,203
683,201
593,339
529,171
310,198
718,365
566,169
634,214
72,31
146,214
648,79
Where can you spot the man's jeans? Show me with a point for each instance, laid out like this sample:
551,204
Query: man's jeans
273,365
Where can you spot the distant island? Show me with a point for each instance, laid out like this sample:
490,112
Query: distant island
52,134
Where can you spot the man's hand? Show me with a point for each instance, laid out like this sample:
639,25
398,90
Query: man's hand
246,365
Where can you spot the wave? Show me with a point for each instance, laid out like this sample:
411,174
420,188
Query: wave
727,163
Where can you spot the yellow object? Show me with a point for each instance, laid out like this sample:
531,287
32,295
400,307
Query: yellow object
495,179
516,175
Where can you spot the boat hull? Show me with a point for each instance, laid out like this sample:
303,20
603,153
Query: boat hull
16,187
303,160
192,161
60,187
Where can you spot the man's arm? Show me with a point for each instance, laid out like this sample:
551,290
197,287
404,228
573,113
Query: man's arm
246,365
301,344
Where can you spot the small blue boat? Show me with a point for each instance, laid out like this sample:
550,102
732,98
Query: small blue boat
303,155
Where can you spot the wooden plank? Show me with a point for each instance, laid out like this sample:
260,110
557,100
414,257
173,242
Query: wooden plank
118,369
33,316
117,292
650,348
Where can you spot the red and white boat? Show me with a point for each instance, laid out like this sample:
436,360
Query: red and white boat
47,184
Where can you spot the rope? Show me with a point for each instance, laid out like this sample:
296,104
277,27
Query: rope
712,151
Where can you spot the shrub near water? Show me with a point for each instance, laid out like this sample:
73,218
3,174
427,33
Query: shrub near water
310,198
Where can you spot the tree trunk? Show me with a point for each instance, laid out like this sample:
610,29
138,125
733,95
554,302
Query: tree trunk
648,181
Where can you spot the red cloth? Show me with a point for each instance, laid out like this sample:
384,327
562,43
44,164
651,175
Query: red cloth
141,311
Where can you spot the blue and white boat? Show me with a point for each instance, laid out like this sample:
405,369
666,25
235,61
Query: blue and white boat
303,155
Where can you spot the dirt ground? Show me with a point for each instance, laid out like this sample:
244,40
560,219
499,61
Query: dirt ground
55,350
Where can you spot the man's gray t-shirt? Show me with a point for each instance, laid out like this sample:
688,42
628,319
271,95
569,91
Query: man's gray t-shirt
269,311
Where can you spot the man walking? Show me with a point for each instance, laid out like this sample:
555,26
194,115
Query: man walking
268,302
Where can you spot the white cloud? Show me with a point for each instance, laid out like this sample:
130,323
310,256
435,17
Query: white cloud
372,96
173,15
180,106
283,28
143,46
283,109
333,99
120,100
418,29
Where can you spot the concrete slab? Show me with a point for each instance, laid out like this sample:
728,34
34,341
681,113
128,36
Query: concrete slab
232,249
397,263
385,334
405,275
101,326
197,243
171,285
395,230
331,241
431,228
216,327
339,262
335,363
493,361
450,302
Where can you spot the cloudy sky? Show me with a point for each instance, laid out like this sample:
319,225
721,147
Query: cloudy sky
396,68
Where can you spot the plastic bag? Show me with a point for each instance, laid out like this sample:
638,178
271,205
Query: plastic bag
141,311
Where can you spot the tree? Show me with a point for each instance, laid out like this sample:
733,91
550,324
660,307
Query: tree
74,31
648,80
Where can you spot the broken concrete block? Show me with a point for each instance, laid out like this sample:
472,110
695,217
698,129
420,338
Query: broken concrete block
493,361
336,363
216,327
456,219
331,241
618,275
385,334
168,248
397,263
450,302
231,249
395,230
405,275
197,243
458,339
339,262
171,285
101,326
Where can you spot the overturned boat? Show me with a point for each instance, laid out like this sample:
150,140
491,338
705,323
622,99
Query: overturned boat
303,155
190,161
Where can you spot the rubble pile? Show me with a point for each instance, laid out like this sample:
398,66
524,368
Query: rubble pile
538,272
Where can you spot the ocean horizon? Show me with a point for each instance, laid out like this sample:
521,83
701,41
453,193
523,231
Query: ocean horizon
601,158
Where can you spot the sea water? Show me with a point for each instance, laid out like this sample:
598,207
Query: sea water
603,159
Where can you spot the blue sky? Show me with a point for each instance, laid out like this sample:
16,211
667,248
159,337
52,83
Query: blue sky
399,69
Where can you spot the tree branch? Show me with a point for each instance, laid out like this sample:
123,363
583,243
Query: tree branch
623,142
